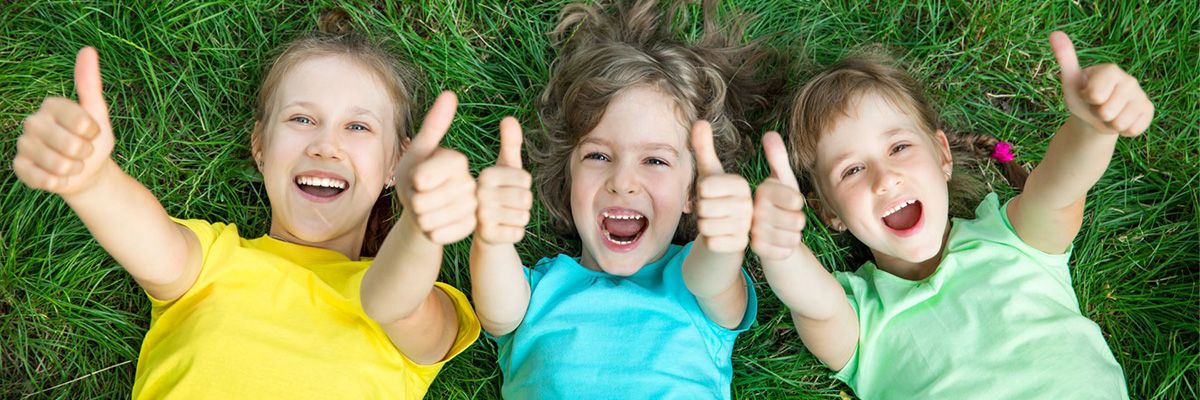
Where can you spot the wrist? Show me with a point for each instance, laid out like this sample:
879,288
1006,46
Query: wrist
105,175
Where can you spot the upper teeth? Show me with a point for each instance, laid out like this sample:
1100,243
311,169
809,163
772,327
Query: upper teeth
897,208
325,182
634,216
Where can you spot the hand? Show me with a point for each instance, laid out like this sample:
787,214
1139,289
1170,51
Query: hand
1104,96
435,183
723,203
778,206
66,143
504,193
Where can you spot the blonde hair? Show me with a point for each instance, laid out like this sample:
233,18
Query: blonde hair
335,37
606,49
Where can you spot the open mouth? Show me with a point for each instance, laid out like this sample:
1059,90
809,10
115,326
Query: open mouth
623,227
321,187
903,217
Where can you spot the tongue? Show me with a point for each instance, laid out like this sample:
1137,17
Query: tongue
320,191
624,228
905,218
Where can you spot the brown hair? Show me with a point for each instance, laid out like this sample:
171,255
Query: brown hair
335,37
606,49
825,99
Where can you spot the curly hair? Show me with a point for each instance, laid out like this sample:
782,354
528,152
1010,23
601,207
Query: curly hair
605,49
335,36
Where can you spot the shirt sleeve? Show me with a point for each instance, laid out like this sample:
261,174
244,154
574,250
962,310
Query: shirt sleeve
852,284
468,323
206,234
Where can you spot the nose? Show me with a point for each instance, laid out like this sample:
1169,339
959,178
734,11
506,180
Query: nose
622,180
885,179
325,145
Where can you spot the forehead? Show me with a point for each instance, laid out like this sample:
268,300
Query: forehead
334,83
870,118
641,116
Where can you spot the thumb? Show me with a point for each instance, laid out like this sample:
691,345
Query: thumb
89,86
510,143
1064,52
777,160
434,127
707,162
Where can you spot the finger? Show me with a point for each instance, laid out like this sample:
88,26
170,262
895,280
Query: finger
46,158
504,177
89,85
1142,124
454,232
498,215
723,185
779,237
433,128
1102,83
724,207
442,166
1123,124
63,141
510,143
35,177
501,234
450,214
780,195
1068,62
438,198
507,197
710,227
777,160
707,162
780,219
1109,111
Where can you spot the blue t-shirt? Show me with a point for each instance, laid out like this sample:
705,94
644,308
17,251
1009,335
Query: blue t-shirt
591,335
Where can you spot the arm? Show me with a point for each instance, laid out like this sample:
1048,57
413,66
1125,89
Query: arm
66,149
1105,102
505,200
436,190
713,270
824,318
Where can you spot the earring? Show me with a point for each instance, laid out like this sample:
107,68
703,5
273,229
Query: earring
390,182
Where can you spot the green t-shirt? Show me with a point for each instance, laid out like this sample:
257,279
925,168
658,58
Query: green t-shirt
997,320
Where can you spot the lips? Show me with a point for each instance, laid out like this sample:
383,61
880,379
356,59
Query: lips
622,227
320,186
904,216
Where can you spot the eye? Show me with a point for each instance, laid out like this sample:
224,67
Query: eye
596,156
657,161
899,147
854,170
358,127
302,120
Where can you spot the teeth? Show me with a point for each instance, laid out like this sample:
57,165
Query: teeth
323,182
610,238
635,216
898,208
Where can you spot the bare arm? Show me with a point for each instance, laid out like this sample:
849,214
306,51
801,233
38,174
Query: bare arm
1105,103
436,190
824,318
66,149
498,283
713,270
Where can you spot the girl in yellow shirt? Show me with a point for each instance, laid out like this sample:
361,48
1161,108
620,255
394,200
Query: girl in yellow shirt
296,313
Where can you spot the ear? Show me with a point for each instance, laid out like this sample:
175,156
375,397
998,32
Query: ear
943,145
825,212
256,144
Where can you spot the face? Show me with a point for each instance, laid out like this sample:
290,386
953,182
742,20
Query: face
885,180
327,149
629,182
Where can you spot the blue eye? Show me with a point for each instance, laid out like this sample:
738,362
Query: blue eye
302,119
596,156
359,127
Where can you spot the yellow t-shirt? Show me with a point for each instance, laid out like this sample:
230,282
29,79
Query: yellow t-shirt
271,319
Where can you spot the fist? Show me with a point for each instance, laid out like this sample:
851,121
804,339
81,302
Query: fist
723,202
778,206
504,193
435,183
1104,96
64,143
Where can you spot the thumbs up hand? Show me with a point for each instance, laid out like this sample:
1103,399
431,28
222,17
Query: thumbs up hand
504,193
778,206
65,144
723,203
434,182
1104,96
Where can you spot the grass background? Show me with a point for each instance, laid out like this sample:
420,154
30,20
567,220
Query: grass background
180,78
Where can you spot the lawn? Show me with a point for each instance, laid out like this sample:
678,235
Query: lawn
181,76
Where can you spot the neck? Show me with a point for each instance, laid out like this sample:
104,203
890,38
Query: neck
913,271
349,244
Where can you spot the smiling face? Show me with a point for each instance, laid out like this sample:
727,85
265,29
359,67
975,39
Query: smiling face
327,148
630,180
884,179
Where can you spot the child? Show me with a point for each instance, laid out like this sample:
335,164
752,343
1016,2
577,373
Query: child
280,315
635,316
969,308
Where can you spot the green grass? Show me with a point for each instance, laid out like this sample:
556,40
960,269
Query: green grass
181,78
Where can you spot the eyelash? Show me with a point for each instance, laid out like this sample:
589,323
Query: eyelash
300,117
657,161
309,121
596,156
851,171
900,147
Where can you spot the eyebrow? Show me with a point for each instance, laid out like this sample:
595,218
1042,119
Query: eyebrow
355,110
842,157
651,146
